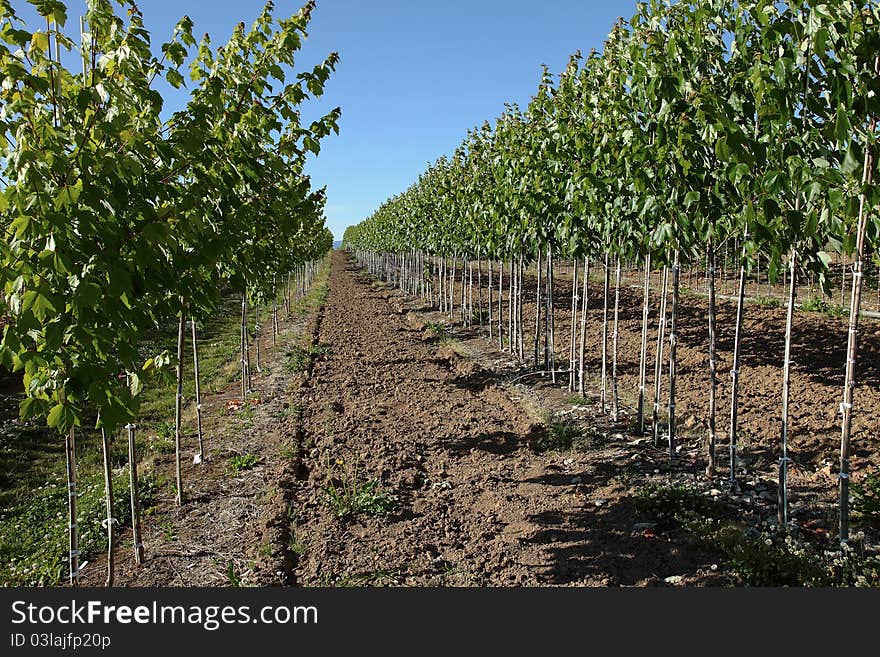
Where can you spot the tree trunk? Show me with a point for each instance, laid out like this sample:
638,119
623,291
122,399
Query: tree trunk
658,357
274,316
643,352
73,534
243,346
572,344
178,409
462,315
197,376
734,372
491,300
786,389
452,287
135,495
710,469
470,296
441,288
519,312
852,341
108,500
604,384
501,304
615,399
511,311
480,288
551,317
257,332
247,338
583,345
673,349
538,317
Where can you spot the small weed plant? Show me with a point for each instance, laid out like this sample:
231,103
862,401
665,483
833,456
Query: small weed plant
350,495
241,462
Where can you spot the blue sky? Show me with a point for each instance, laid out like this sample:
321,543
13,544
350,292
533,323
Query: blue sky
414,75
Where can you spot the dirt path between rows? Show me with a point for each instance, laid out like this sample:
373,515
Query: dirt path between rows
393,410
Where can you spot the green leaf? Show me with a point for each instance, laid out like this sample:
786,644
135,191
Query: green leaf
852,161
20,226
37,303
6,357
53,336
32,407
721,150
87,294
174,78
62,417
135,384
842,125
40,42
54,10
311,144
68,195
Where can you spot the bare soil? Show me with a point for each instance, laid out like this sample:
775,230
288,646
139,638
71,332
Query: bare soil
478,504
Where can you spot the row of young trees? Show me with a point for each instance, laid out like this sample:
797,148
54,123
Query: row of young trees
118,219
699,126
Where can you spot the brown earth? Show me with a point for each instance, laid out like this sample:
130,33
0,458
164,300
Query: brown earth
477,504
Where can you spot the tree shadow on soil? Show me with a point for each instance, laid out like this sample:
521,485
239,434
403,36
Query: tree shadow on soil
596,543
476,381
599,544
495,442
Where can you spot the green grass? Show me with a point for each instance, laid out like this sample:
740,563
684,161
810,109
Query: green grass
33,533
566,436
436,328
299,358
291,411
158,437
866,497
33,503
218,360
672,506
297,546
241,462
476,317
317,294
232,576
820,305
382,577
348,496
766,301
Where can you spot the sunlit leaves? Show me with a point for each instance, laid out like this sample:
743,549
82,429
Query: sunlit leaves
53,10
697,121
112,215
